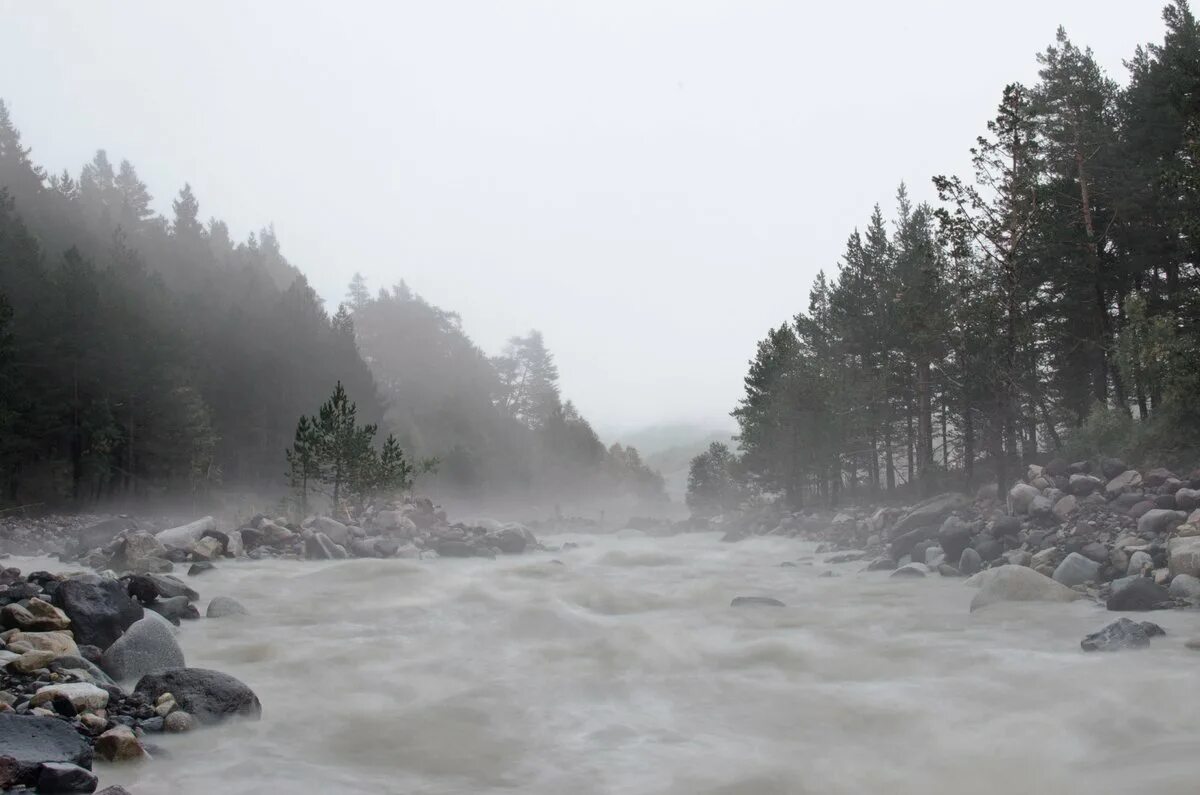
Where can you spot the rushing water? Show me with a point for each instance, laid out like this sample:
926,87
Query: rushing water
623,669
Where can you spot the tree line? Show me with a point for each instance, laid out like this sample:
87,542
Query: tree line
1046,304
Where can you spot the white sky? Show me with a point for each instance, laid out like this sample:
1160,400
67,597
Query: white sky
651,183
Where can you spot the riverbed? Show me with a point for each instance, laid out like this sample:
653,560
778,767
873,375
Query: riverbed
619,667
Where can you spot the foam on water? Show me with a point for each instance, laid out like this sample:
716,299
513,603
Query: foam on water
624,670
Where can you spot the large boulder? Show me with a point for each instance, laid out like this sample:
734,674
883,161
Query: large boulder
1158,477
1076,570
37,616
145,553
60,642
512,539
186,535
1122,634
1187,499
208,696
99,534
1129,480
954,536
1112,467
337,532
169,586
147,647
1006,526
1159,520
931,512
99,611
1141,594
222,606
1183,556
1021,497
82,695
1020,584
969,562
1082,485
30,740
1184,586
1065,507
318,546
63,777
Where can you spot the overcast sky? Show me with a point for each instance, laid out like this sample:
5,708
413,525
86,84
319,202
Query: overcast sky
652,184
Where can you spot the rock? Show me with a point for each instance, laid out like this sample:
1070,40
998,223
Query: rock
208,548
186,535
456,549
1159,476
1126,502
209,696
881,564
175,609
334,530
1129,480
1165,501
27,742
1141,594
846,557
954,536
989,549
196,569
319,546
222,606
946,570
1157,521
83,696
1082,485
931,512
39,616
969,562
1021,584
99,612
755,601
1018,557
178,721
363,548
1021,496
170,586
119,744
1139,563
511,540
147,647
904,544
934,557
1006,526
1111,467
63,777
1183,556
1076,570
1095,551
144,553
1065,507
31,661
83,669
1187,499
235,547
58,642
1185,586
1122,634
1042,507
910,570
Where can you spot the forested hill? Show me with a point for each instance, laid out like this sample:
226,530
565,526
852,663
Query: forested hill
144,356
1048,305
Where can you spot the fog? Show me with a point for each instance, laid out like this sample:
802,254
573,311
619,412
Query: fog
650,184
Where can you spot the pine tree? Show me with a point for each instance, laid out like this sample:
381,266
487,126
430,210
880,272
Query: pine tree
302,459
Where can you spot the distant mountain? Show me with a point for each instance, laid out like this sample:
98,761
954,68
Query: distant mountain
669,449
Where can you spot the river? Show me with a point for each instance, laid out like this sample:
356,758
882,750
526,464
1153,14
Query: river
623,669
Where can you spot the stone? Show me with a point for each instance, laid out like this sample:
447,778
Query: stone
1122,634
910,570
208,548
1187,499
223,606
178,721
208,696
1081,485
1020,584
63,777
1141,594
755,601
934,557
31,661
99,612
58,642
881,564
83,696
147,647
1184,586
82,668
1021,496
1139,563
1159,476
1095,551
989,549
1065,507
235,547
186,535
1041,508
456,549
143,552
1018,557
1126,502
1165,501
931,512
1076,570
175,609
1111,467
169,586
1183,556
27,742
119,744
511,540
196,569
334,530
969,562
319,546
1157,521
1129,480
363,548
1003,526
954,536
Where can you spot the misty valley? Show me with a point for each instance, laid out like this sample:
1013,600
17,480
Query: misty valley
943,536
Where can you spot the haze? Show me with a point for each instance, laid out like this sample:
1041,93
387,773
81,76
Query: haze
651,184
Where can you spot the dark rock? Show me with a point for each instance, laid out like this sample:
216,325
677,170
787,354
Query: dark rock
169,585
1165,502
63,706
1122,634
1140,509
99,612
1111,467
199,568
509,540
1057,468
1158,476
209,696
91,653
1141,594
318,546
456,549
903,545
1095,551
881,564
141,588
63,777
217,534
970,561
29,741
101,533
954,536
946,570
1006,526
175,608
750,601
988,548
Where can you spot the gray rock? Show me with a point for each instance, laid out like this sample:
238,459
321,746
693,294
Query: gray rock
1112,467
175,609
910,570
1159,476
147,647
208,696
1082,485
1021,496
969,562
954,536
186,535
64,777
222,606
881,564
1076,570
1006,526
1019,584
1184,586
30,741
755,601
1183,556
334,530
319,546
1157,521
1129,480
1187,499
1139,563
1065,507
1122,634
143,553
931,512
1141,594
1041,507
1095,551
99,612
168,586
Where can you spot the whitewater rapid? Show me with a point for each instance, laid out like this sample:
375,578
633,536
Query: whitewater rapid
619,667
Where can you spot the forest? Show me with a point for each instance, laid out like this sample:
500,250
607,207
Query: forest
1046,305
146,357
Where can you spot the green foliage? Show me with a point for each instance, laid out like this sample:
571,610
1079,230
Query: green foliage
713,483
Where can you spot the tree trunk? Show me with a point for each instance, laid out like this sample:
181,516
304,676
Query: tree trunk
924,427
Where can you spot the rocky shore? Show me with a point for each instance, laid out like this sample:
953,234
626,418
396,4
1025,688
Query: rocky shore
90,665
1124,538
